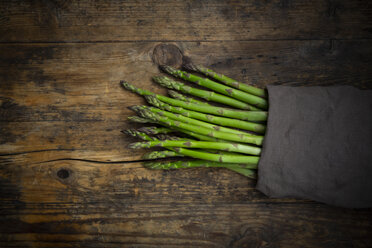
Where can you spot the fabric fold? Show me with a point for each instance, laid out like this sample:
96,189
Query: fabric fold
318,145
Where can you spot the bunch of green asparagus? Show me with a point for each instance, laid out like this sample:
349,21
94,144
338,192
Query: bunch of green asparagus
212,135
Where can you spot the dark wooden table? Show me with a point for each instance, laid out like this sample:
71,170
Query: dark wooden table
66,176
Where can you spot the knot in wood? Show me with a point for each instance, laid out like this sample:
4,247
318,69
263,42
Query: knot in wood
63,173
167,54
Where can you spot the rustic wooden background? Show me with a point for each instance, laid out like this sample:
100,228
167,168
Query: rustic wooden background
66,176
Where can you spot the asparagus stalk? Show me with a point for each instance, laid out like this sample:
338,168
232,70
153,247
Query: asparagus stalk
138,119
244,169
239,159
143,136
194,163
165,137
226,80
190,133
223,89
244,172
137,134
188,120
155,130
146,137
223,121
205,94
196,135
230,147
226,112
161,154
243,138
181,97
201,154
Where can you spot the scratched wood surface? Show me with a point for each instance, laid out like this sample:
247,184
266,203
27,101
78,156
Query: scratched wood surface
103,20
67,178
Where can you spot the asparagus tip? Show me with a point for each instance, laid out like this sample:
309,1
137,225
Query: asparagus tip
153,101
148,130
127,85
151,165
156,78
147,156
145,113
135,145
131,132
124,131
189,65
166,137
138,119
134,108
152,155
163,81
167,68
173,93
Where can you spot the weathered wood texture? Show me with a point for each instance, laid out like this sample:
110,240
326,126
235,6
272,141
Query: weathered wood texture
65,20
66,176
66,98
129,206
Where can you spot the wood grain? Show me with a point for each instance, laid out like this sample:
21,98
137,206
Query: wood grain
126,205
67,178
211,20
65,100
61,113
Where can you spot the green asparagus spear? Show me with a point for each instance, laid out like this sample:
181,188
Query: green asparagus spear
242,171
194,163
245,169
205,94
226,112
137,134
189,133
223,89
188,120
163,136
240,159
196,135
201,154
181,97
166,137
192,134
202,130
161,154
143,136
230,147
138,119
155,130
226,80
223,121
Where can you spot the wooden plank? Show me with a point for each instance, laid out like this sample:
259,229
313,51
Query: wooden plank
92,21
65,101
62,182
43,141
96,205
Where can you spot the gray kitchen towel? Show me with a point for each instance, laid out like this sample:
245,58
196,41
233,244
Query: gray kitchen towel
318,145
